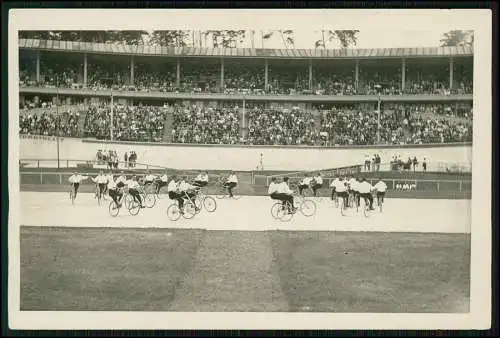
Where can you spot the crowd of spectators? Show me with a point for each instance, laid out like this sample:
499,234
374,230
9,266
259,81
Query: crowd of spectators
244,80
130,123
206,125
281,127
50,124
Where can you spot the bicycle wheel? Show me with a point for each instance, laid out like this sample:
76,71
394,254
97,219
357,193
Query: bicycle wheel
366,208
198,202
189,210
128,200
307,208
209,203
236,196
72,196
342,206
275,210
173,212
113,209
221,194
134,208
149,200
285,213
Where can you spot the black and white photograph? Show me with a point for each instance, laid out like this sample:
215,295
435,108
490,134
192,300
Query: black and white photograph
249,169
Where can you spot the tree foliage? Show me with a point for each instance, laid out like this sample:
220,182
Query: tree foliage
455,38
170,38
131,37
226,38
345,38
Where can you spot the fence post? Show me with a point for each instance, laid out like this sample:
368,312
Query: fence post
460,186
38,164
41,180
60,178
438,185
393,184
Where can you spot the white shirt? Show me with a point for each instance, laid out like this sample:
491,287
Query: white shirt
111,184
121,179
184,186
319,180
101,179
172,186
334,183
306,181
77,178
365,187
354,185
132,184
110,177
273,187
340,186
164,178
202,178
381,186
283,188
232,179
149,178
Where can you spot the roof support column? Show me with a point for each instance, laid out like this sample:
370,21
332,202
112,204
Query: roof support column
38,67
132,66
178,74
310,74
451,73
356,75
85,70
222,75
403,74
266,75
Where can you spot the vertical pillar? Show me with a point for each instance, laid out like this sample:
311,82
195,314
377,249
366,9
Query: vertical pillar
132,66
266,74
310,74
222,75
178,77
356,75
451,73
403,74
85,70
38,67
243,121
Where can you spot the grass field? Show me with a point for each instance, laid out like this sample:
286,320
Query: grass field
199,270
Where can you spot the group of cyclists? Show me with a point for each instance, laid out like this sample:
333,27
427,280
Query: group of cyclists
178,187
345,188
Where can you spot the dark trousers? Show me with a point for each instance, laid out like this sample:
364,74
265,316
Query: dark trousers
135,194
333,194
102,189
116,195
285,198
380,196
344,196
368,197
159,185
315,188
76,186
230,186
178,197
302,187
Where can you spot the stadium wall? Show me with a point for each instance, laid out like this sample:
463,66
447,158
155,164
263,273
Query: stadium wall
220,157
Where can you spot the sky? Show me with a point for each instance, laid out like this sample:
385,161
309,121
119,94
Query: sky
378,28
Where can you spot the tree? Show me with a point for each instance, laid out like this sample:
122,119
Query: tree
457,38
171,38
346,38
128,37
288,38
225,38
265,36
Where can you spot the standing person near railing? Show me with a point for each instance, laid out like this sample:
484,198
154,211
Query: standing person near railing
231,183
75,180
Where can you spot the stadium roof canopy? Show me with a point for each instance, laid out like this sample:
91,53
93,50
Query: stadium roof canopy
147,50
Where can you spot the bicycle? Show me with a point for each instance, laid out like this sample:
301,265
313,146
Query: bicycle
100,196
284,211
174,211
147,197
223,193
204,201
113,208
365,206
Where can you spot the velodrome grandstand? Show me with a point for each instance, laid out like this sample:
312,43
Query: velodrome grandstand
262,113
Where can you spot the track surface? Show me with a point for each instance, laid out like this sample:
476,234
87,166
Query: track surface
250,213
